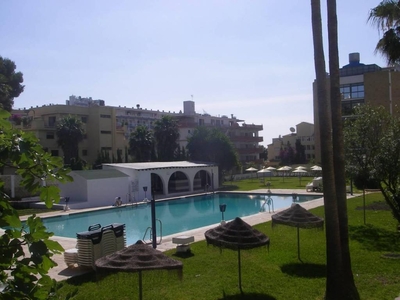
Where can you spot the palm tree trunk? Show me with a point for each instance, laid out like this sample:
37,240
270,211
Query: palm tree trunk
348,286
333,244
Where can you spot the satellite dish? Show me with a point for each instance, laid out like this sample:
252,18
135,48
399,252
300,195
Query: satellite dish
292,129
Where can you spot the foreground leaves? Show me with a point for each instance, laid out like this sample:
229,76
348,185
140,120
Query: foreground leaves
26,247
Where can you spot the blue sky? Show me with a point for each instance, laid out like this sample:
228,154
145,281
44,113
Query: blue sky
252,59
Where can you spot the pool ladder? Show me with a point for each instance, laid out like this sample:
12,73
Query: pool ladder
149,230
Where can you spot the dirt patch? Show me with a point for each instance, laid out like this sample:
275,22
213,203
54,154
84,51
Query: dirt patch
375,206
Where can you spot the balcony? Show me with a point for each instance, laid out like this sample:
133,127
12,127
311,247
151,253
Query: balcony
246,139
249,127
243,151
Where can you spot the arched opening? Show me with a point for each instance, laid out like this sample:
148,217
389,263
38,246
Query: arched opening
201,180
157,186
178,182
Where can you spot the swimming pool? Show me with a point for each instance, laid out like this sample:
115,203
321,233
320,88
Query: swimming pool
176,215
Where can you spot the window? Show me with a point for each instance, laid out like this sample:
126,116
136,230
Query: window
84,152
52,121
54,152
50,135
105,116
349,105
105,148
350,91
105,132
84,119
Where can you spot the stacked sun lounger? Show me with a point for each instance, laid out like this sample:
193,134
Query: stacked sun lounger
94,244
71,257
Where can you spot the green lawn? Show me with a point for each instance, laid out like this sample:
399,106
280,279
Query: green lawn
274,274
275,183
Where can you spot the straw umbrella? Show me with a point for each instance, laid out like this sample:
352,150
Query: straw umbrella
236,235
138,258
299,217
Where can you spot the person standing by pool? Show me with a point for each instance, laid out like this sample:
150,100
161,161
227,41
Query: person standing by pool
118,201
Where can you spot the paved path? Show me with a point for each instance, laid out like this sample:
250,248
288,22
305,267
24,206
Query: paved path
62,272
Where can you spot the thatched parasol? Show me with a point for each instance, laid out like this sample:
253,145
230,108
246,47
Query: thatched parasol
138,258
299,217
236,235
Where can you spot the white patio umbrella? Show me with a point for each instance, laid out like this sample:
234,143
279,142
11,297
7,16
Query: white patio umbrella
271,168
263,172
301,168
316,168
251,169
283,169
300,172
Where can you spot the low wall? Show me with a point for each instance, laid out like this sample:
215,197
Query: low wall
12,187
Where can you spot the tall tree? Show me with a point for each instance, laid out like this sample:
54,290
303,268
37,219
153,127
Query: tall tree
347,278
141,144
373,151
26,249
166,135
213,146
337,274
386,17
10,83
300,155
70,133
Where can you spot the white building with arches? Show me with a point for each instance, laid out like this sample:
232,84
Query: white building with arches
167,179
137,182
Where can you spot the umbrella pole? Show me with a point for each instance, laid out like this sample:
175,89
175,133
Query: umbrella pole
240,271
298,244
140,286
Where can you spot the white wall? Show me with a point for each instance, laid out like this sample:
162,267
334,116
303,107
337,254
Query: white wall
76,190
85,193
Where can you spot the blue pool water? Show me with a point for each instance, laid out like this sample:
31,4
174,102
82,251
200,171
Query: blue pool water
176,215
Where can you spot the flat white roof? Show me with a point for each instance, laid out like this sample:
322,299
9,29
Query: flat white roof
99,174
161,165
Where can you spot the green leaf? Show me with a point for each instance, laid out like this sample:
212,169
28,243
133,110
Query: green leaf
54,246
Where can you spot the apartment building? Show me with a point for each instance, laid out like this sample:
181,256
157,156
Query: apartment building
108,128
304,132
362,84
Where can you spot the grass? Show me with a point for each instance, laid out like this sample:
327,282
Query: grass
275,183
275,274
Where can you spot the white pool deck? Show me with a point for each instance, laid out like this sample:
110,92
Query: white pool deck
62,272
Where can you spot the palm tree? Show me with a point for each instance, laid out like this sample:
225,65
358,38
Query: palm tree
166,135
386,17
338,267
70,133
347,278
141,144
